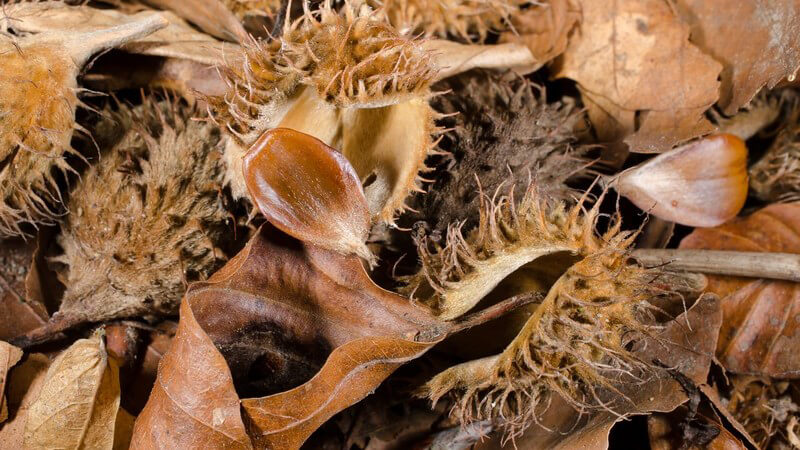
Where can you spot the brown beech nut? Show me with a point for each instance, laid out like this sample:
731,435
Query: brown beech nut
700,184
308,190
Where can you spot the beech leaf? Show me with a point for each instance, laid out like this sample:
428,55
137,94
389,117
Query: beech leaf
635,56
700,184
760,334
9,356
79,399
23,386
763,56
307,319
308,190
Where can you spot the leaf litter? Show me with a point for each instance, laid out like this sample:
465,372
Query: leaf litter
377,224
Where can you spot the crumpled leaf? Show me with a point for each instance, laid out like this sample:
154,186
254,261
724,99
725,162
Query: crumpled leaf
544,28
24,384
78,402
700,184
686,345
211,16
760,334
302,317
9,356
21,308
767,52
634,57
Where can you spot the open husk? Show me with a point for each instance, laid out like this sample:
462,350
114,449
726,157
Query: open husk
38,99
575,343
348,79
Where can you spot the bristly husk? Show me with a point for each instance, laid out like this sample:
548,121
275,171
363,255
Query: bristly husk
146,219
576,342
455,276
504,133
776,176
348,79
38,100
469,20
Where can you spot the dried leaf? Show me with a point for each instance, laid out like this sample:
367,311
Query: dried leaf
308,190
760,332
544,28
302,318
19,313
38,99
635,57
700,184
24,384
764,55
78,402
674,430
9,356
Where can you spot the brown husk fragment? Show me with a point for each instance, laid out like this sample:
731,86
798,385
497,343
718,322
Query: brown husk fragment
760,334
146,219
469,20
776,176
504,133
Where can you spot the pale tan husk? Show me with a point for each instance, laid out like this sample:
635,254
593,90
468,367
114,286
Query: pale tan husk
347,78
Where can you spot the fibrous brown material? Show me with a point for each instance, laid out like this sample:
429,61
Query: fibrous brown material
504,133
765,407
471,20
776,176
350,80
144,220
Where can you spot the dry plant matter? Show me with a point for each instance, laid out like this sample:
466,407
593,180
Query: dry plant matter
373,224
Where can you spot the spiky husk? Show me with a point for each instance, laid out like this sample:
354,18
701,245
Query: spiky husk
776,176
37,113
347,78
576,342
504,132
470,20
454,276
147,218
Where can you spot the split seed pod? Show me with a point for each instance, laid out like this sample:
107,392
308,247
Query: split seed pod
776,176
146,219
581,328
348,79
38,99
700,184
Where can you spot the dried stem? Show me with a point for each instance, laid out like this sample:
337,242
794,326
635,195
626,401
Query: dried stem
777,266
494,311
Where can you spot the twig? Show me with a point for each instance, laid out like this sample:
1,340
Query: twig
493,312
776,266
